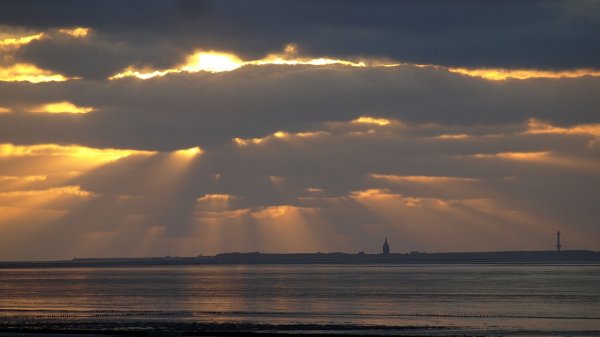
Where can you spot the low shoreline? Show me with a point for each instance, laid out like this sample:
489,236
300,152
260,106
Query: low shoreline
239,329
152,328
571,257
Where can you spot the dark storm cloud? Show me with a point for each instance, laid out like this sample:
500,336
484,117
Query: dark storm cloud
512,34
97,57
208,110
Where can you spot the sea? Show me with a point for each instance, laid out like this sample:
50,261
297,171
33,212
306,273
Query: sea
449,299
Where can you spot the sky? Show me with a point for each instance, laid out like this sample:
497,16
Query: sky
153,128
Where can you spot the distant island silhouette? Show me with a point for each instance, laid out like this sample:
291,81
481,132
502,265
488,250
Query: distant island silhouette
499,257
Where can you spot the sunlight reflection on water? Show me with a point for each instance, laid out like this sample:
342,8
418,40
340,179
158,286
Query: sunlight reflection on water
484,296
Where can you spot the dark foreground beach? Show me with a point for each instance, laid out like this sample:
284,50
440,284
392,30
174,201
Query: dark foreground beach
212,329
300,300
141,329
152,328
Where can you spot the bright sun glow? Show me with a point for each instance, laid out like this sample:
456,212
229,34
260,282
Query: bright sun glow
62,107
280,134
213,62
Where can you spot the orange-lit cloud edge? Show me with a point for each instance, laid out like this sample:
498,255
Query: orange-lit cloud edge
34,190
219,61
384,127
363,121
101,155
214,208
62,107
27,72
375,125
75,151
16,40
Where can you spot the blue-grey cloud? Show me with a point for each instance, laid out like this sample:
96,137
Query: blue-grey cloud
511,34
208,110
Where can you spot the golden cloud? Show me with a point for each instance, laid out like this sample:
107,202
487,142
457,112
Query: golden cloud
521,156
53,150
373,193
30,178
16,42
278,135
217,61
453,136
497,74
77,32
279,211
217,197
422,179
191,152
26,72
561,161
64,190
535,126
62,107
371,120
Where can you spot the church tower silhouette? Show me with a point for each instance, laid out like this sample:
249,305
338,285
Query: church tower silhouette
386,247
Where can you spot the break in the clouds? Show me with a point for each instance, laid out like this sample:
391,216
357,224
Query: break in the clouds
184,127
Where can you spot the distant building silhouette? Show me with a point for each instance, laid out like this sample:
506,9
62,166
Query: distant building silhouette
558,245
386,247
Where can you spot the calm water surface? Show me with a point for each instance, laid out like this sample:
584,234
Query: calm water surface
510,297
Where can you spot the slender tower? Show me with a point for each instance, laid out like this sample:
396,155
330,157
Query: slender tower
558,245
386,247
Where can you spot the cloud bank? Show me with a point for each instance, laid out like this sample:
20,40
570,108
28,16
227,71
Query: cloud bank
185,128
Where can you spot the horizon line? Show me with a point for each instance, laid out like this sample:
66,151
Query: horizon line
200,256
